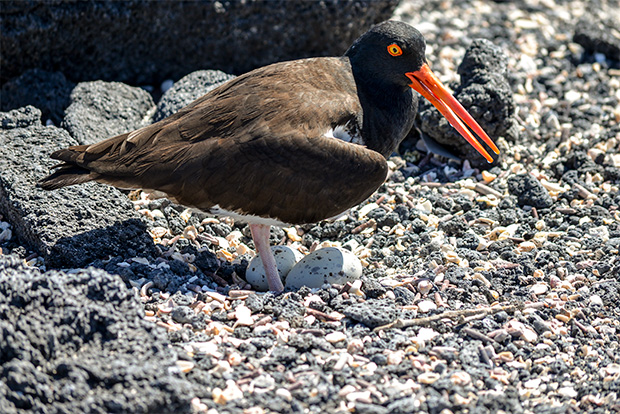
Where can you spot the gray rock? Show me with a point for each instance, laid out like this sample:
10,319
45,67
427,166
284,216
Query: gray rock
187,90
20,118
485,93
599,36
100,110
70,227
404,296
141,42
372,313
401,406
48,91
183,314
66,338
363,408
529,191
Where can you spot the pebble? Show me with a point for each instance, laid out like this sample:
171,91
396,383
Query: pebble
596,300
428,378
6,235
185,366
426,306
230,393
244,316
539,288
335,337
520,330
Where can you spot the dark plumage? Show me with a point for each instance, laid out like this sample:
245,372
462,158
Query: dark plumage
293,142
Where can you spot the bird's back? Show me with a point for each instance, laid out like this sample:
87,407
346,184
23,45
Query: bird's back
269,127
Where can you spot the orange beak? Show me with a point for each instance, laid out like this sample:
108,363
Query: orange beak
428,85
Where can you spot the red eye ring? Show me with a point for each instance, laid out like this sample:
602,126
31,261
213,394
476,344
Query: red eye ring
394,50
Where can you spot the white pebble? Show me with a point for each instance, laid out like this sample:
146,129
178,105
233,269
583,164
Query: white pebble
596,300
428,377
356,288
533,383
426,306
284,394
568,392
185,366
366,209
426,334
167,84
334,337
230,393
539,288
243,315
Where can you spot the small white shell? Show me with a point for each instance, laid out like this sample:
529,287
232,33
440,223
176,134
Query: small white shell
327,265
286,258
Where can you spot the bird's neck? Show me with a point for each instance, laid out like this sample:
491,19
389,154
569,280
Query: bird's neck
389,112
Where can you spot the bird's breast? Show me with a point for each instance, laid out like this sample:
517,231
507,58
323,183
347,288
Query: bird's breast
349,132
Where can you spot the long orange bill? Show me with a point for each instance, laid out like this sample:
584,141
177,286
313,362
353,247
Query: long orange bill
428,85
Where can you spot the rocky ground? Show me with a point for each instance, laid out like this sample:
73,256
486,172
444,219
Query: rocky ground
482,291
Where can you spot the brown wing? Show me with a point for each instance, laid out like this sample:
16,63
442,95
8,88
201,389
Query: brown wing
261,130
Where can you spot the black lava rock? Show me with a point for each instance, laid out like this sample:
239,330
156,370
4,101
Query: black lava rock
100,110
485,93
597,36
373,288
143,42
529,191
187,90
48,91
456,226
65,338
404,296
70,227
373,313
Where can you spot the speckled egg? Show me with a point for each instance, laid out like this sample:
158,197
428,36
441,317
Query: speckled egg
285,260
327,265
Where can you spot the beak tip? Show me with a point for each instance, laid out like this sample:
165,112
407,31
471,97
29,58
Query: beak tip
428,85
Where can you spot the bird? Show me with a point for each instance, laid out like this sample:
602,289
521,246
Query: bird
289,143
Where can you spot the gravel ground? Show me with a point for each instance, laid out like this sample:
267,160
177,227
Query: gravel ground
492,291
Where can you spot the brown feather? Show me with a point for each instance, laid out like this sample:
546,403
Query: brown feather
252,133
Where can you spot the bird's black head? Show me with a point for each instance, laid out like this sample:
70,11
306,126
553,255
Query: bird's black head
389,58
387,52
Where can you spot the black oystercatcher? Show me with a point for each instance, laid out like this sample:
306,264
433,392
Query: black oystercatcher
289,143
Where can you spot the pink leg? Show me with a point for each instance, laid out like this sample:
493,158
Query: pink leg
260,235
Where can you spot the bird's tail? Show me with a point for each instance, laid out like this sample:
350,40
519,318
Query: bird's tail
64,176
111,161
75,167
68,172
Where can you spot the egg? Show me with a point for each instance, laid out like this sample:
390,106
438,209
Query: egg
328,265
285,260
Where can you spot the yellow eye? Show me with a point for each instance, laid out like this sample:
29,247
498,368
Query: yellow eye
394,50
